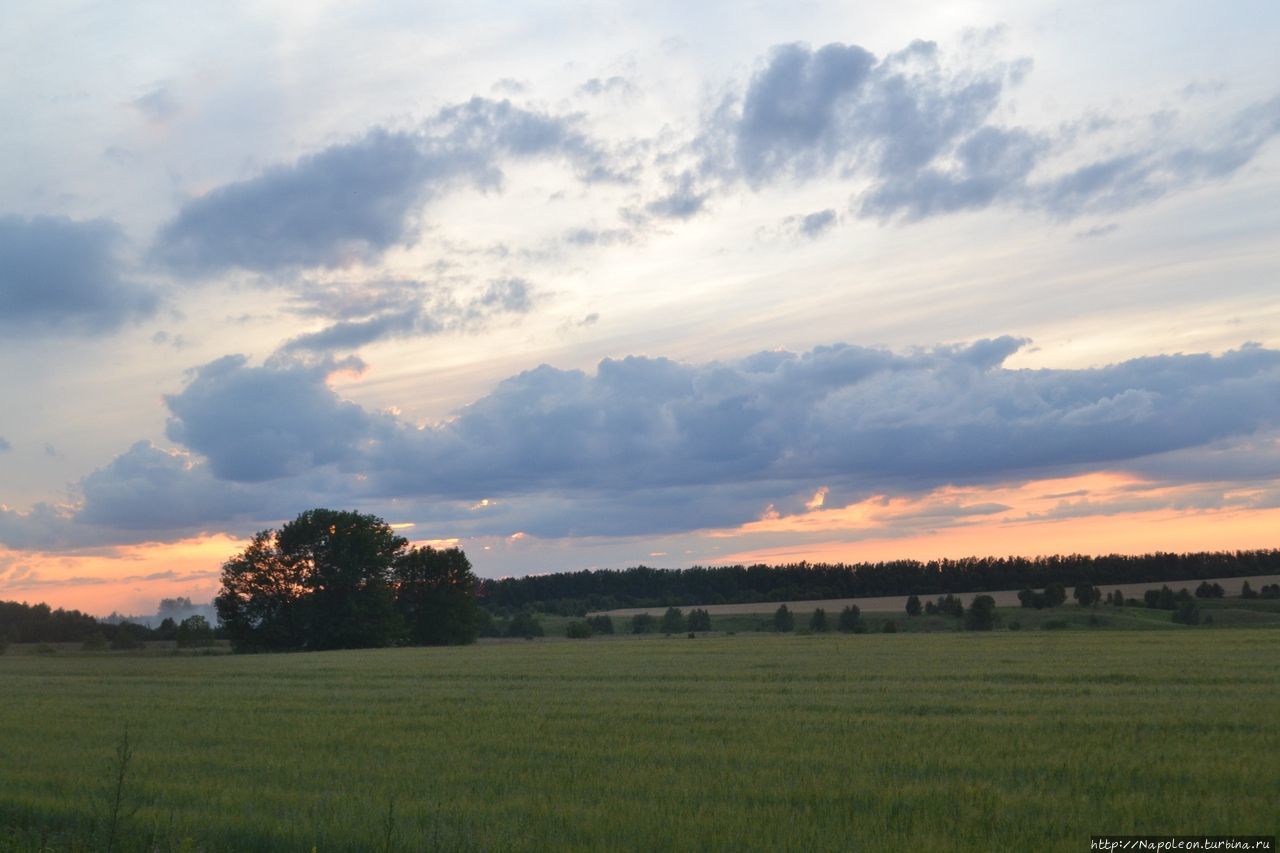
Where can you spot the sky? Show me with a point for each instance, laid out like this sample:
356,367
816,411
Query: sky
596,285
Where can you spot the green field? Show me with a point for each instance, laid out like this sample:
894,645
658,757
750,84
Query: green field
1029,740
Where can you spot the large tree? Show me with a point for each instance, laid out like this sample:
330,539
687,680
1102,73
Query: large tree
329,580
435,593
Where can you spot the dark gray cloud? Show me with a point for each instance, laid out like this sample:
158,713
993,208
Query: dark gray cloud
839,412
650,445
346,203
263,423
926,136
146,488
62,276
354,201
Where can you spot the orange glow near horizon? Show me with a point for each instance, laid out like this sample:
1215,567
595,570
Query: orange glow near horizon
129,579
1097,513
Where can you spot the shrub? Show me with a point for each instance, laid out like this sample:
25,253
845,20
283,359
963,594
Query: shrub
890,627
125,641
1187,614
982,614
850,619
95,642
818,620
601,624
577,631
1015,625
526,625
913,605
1054,625
783,619
699,620
1247,591
1086,594
673,621
194,632
642,623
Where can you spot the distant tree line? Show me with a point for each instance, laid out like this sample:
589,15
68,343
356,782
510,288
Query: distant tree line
579,593
38,623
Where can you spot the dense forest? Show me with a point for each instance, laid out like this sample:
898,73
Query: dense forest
577,593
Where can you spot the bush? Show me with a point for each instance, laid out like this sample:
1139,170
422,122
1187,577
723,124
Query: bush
194,632
673,621
783,619
1271,591
890,627
642,623
125,640
818,620
1086,594
1187,614
577,631
1247,591
850,619
982,614
95,642
1054,625
949,605
525,625
601,624
1015,625
913,605
699,620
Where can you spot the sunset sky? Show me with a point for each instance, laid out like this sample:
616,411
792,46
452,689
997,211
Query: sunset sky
594,285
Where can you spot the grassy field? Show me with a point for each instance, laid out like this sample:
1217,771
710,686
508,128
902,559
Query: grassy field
1028,740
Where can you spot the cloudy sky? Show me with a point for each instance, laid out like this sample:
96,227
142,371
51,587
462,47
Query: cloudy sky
583,285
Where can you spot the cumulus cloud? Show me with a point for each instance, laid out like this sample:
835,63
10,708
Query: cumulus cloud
263,423
62,276
353,201
840,413
147,488
645,445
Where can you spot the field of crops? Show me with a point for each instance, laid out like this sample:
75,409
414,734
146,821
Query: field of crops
1029,740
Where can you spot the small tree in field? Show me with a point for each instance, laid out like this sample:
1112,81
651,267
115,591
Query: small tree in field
699,620
783,620
818,620
1085,594
673,621
642,623
850,619
913,605
578,631
981,615
195,631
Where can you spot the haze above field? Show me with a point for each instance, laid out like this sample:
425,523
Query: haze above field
602,285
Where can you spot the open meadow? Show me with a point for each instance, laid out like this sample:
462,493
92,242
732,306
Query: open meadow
1026,740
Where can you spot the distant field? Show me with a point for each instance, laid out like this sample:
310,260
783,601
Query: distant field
897,603
1027,740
